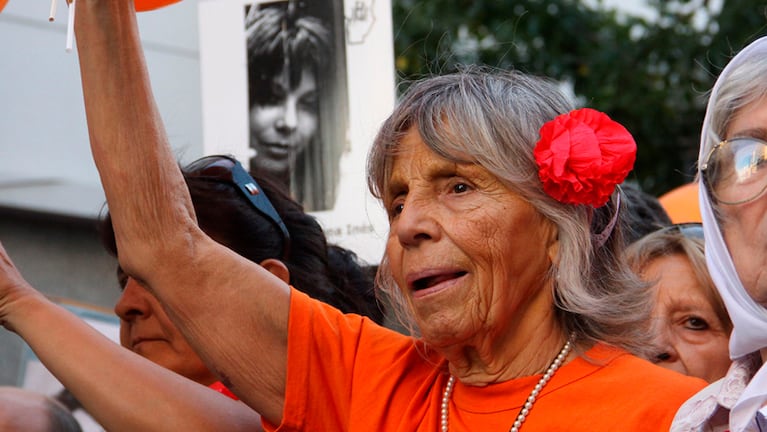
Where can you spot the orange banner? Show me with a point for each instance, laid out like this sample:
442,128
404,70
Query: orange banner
141,5
681,203
147,5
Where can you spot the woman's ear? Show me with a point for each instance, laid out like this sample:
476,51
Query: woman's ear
554,252
552,247
277,268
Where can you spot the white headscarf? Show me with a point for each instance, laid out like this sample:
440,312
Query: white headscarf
749,319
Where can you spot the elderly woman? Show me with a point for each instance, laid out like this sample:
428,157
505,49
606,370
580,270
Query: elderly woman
689,324
733,178
503,249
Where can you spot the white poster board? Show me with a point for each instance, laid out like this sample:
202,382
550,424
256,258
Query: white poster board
353,93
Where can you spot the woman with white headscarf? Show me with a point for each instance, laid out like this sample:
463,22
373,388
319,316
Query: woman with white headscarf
733,172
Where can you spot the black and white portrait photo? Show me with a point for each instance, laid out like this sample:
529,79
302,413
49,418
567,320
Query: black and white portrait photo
297,89
296,95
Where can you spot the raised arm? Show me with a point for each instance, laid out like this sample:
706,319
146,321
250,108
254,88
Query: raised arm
122,390
233,312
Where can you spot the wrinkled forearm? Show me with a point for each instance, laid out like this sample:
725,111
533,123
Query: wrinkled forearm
231,311
148,199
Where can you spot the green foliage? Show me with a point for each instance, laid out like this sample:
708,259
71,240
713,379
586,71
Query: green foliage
652,75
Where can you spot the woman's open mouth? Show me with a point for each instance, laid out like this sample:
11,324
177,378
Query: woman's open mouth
430,284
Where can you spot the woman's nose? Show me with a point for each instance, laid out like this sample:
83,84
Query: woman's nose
416,223
288,120
669,357
131,303
665,352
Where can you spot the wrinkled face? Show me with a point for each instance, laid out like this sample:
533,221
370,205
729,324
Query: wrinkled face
689,335
283,123
146,330
744,226
469,255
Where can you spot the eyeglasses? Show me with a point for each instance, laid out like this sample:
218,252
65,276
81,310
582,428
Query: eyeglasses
229,170
735,170
688,229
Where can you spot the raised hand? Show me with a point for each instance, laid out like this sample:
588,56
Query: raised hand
13,290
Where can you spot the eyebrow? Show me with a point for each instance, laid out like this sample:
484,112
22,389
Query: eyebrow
760,133
440,170
691,305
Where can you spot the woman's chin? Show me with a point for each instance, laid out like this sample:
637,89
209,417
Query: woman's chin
439,330
272,166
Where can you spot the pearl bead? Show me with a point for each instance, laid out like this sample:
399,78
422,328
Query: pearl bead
558,360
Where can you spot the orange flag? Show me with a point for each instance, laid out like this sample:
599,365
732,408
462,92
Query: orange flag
681,203
147,5
141,5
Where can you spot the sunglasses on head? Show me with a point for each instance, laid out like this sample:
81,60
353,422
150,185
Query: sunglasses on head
688,229
229,170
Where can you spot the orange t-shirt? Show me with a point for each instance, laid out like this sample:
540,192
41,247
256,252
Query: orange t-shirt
345,373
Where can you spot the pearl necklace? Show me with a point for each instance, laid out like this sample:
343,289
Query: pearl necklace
523,413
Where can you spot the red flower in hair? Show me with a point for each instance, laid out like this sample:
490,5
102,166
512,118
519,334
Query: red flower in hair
582,156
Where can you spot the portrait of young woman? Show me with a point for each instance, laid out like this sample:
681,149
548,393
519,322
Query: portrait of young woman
297,95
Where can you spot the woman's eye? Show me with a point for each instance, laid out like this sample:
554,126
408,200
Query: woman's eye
397,209
309,101
696,323
122,278
460,188
274,95
270,100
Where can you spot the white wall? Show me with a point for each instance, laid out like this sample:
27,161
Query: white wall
43,133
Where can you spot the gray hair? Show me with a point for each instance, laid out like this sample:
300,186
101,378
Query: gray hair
745,84
672,241
492,118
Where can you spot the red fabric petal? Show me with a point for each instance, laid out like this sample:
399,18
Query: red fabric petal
582,156
2,4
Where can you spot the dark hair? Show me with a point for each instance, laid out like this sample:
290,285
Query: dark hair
285,39
643,213
349,271
229,219
278,38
